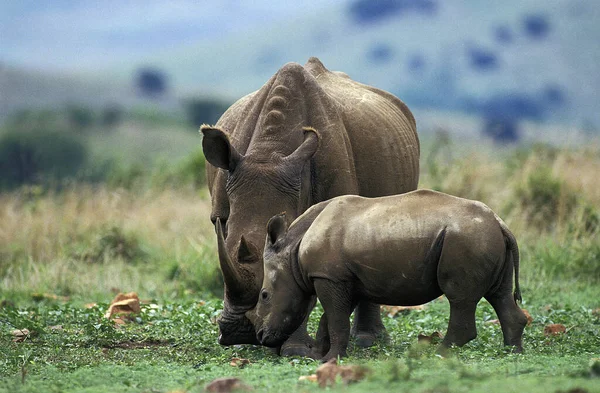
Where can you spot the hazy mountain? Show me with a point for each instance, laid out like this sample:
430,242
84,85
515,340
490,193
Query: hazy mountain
535,60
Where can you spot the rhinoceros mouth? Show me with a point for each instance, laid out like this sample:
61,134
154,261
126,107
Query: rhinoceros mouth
271,338
236,329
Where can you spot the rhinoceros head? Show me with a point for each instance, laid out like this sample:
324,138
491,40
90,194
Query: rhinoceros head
282,303
258,186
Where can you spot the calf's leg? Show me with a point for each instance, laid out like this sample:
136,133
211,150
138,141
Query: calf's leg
337,304
461,328
512,319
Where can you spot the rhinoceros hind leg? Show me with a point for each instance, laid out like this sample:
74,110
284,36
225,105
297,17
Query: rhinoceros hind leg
461,328
367,327
512,319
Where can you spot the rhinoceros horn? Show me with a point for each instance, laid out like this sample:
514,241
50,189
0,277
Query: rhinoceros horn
231,275
247,252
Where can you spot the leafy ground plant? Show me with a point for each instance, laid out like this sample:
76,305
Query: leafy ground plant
171,345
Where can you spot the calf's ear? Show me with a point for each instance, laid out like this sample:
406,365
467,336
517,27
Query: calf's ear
276,228
218,149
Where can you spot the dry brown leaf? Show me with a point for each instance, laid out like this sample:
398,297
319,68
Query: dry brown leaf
19,335
226,385
393,310
554,329
596,312
239,362
433,338
328,372
56,328
309,378
529,317
124,304
201,303
90,305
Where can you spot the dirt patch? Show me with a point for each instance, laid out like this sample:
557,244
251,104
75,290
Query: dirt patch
139,344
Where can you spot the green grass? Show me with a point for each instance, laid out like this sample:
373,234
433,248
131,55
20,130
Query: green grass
172,345
153,236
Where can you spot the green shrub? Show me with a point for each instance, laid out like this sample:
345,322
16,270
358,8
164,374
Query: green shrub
39,156
111,116
80,118
545,199
204,110
572,259
191,170
110,243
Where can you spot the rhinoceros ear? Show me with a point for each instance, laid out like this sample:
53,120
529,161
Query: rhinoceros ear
218,149
276,228
307,149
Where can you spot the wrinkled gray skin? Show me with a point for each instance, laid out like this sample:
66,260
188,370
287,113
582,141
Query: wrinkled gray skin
306,136
397,250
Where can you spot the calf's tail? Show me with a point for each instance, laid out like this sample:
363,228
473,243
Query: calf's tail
513,248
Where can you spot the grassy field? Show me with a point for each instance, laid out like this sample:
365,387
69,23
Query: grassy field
65,254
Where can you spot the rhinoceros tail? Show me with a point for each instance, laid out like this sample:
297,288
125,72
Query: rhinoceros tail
513,248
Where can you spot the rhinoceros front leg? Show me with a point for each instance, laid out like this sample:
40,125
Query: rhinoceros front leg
368,326
337,301
300,343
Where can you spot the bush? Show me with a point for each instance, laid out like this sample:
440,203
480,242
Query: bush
545,199
111,116
80,118
204,111
37,156
151,82
110,243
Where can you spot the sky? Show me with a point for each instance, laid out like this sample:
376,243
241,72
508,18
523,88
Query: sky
84,35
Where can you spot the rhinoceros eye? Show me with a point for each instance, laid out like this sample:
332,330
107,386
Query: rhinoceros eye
264,295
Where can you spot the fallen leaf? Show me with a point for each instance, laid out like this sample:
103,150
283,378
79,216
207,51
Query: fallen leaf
56,328
124,304
493,322
90,305
19,335
239,362
393,310
596,312
328,372
554,329
226,385
433,338
309,378
529,317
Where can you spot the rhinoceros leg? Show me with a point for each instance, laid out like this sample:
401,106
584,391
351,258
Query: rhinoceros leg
368,326
512,319
323,342
461,328
338,302
300,343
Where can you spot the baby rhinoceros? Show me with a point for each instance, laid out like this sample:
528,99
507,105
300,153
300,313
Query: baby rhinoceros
399,250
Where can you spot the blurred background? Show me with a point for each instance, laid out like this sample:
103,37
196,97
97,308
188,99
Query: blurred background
100,104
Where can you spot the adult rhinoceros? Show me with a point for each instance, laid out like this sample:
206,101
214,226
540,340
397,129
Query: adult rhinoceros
306,136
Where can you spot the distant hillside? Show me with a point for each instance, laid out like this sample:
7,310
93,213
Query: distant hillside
534,60
26,89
